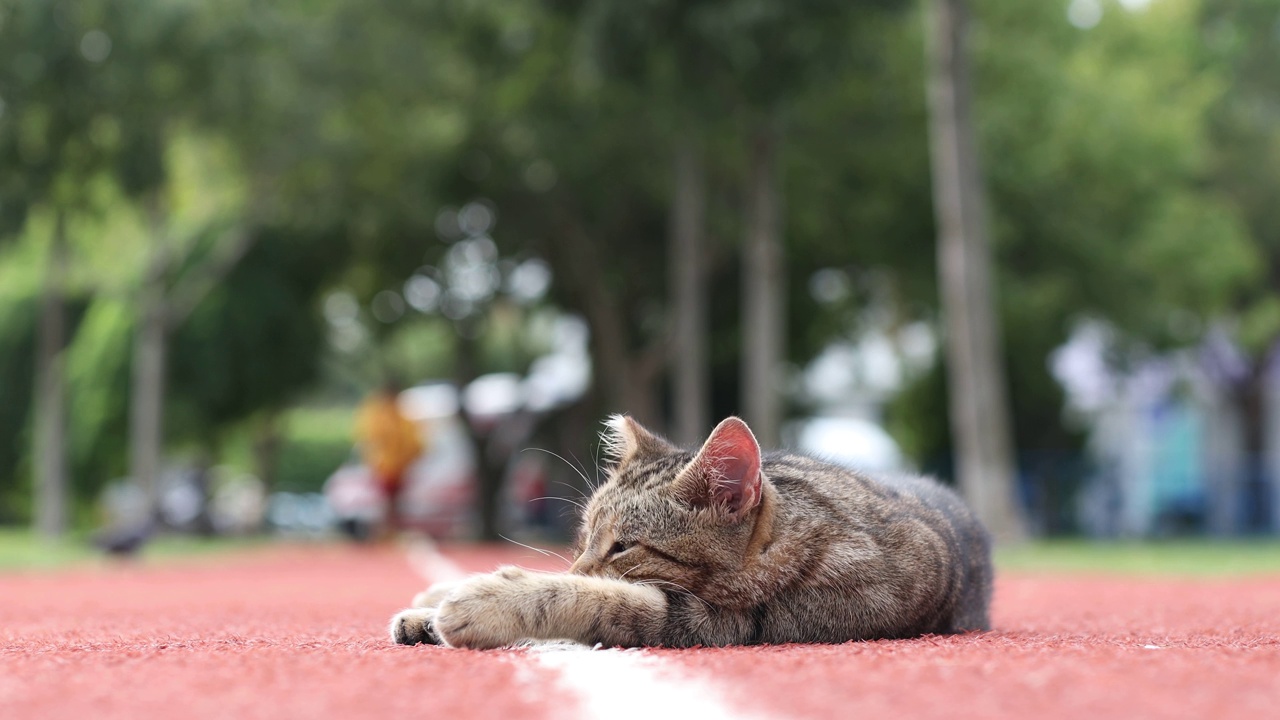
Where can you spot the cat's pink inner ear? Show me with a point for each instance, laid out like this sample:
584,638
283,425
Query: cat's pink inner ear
729,464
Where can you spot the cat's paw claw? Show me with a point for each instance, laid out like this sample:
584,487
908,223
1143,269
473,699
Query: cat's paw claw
414,627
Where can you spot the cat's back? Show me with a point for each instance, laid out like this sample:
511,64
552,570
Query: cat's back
814,484
912,522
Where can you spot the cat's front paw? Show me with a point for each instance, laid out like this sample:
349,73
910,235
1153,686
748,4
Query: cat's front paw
414,627
489,611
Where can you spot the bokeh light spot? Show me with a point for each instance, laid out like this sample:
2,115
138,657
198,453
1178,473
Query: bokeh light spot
387,306
95,46
1084,14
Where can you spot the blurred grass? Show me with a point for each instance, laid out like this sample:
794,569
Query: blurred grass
20,549
1173,557
316,442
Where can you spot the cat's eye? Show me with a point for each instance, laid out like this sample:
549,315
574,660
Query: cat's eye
618,547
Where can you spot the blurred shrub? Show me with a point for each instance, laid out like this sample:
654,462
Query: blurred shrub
316,442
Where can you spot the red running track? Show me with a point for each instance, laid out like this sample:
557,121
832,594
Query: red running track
300,633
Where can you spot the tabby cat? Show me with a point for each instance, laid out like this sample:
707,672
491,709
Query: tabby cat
724,546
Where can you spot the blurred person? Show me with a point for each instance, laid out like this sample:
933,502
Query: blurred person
389,442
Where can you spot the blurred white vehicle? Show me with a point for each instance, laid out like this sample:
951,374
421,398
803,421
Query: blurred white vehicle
849,441
439,490
358,505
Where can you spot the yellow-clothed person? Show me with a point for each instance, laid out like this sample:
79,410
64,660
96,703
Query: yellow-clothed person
389,441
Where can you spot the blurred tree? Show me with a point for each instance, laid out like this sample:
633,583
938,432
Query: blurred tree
96,118
256,341
62,126
167,59
666,72
286,146
688,293
542,127
1239,40
340,131
50,390
659,55
98,378
694,60
979,412
1098,145
164,306
763,289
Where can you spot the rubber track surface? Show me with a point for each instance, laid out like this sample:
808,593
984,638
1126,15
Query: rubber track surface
300,633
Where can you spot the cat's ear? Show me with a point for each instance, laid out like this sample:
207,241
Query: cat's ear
726,471
624,438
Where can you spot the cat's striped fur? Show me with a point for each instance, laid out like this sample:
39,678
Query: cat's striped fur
728,547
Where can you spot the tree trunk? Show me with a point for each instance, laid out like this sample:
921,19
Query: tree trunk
763,293
625,379
490,469
688,350
978,405
146,401
51,390
268,438
161,309
1255,496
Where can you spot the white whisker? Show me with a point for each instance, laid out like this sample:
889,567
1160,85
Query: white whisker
594,485
580,473
576,489
548,553
571,501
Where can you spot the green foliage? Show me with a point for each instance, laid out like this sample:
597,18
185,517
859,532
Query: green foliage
1239,41
1096,144
750,53
17,356
97,97
19,314
1132,173
858,189
98,380
1097,147
256,342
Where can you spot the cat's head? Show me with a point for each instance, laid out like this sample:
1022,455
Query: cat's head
671,515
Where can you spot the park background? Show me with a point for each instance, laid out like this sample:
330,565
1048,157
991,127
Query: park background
222,224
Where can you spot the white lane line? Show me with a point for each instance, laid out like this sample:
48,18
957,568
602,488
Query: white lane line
430,564
609,683
634,685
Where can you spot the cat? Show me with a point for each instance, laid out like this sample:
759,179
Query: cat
727,546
